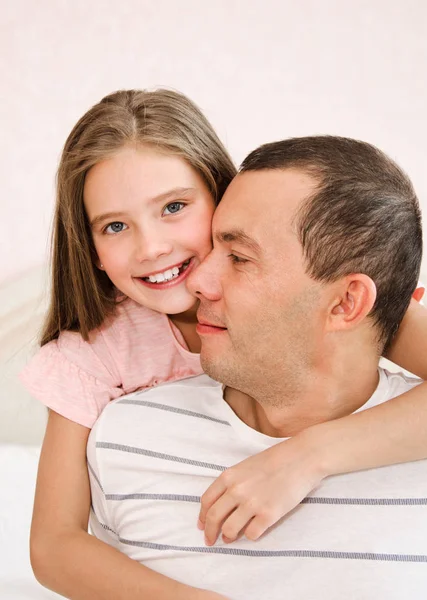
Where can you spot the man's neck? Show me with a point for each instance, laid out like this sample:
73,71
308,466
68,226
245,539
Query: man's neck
325,396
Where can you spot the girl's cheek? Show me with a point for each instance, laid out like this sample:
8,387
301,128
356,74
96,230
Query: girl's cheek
205,245
111,252
205,238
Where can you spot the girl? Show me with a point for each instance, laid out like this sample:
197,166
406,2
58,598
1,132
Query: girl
138,182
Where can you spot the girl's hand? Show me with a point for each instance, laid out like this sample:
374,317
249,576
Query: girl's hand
418,294
254,494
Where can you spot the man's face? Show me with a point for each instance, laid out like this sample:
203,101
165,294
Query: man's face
260,313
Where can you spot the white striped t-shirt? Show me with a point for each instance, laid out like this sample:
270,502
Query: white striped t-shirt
152,455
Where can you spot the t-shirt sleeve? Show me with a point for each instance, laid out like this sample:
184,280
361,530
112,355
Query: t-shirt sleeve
69,377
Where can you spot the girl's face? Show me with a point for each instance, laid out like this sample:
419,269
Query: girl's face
150,215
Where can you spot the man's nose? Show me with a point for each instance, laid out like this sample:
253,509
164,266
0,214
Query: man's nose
204,281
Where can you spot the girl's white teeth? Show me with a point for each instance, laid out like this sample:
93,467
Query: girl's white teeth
168,274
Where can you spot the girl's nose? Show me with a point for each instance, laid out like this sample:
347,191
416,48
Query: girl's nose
150,246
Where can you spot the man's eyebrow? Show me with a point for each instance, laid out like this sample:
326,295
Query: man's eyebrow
239,236
174,194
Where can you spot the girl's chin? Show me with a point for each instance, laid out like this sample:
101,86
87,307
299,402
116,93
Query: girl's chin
169,301
184,310
189,313
174,308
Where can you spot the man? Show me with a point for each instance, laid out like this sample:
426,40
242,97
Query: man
317,249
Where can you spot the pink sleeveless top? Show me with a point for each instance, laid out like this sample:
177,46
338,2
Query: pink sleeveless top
138,348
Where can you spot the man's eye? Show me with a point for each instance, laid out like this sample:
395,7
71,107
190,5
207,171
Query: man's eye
173,208
237,260
116,227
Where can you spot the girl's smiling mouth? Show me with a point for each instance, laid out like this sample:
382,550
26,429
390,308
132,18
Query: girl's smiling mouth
168,278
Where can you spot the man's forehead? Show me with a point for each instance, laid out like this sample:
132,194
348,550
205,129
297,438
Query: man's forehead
256,200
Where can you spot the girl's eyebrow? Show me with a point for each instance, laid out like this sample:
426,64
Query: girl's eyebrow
105,217
179,192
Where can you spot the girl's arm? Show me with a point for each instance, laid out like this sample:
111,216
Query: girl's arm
409,349
64,557
395,431
268,485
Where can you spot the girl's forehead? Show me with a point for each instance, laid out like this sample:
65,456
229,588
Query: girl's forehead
146,168
143,159
132,176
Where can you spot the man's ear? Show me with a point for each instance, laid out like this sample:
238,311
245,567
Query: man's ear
354,299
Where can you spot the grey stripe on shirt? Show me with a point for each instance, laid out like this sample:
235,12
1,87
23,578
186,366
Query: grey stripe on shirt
173,409
160,455
309,500
95,476
416,558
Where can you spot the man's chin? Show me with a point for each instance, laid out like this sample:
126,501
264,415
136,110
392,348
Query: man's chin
211,366
218,368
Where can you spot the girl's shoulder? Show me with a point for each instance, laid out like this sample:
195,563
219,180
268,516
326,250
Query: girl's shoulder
135,348
73,377
110,349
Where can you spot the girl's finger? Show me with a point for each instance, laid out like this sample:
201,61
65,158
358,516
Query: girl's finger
258,526
216,516
418,294
212,494
237,522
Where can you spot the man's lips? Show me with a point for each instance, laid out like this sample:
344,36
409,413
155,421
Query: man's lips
206,327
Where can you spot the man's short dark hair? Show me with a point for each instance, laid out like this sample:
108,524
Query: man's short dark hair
364,217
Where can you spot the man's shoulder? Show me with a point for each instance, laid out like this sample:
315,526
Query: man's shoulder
390,385
198,396
183,391
197,382
399,382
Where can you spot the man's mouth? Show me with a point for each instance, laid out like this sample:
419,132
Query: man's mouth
167,275
206,327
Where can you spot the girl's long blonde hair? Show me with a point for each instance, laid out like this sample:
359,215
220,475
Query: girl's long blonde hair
83,296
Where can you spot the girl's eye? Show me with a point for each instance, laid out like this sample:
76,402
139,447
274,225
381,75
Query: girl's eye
116,227
237,260
173,208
